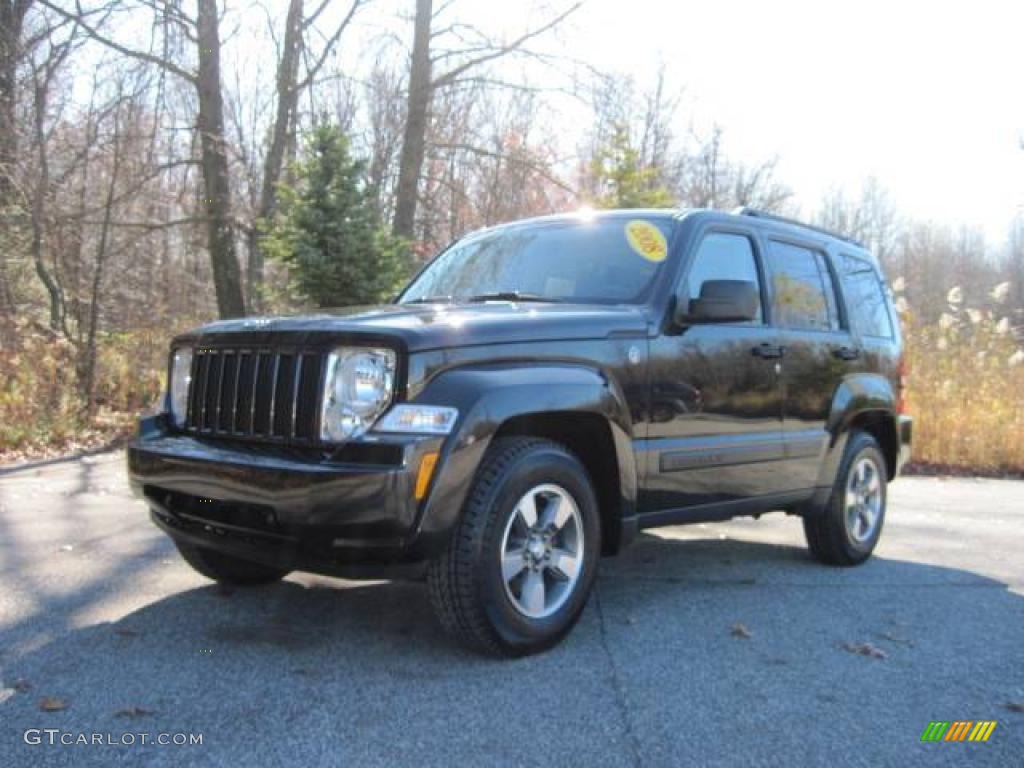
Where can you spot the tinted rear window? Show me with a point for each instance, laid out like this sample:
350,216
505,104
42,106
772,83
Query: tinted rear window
865,297
802,293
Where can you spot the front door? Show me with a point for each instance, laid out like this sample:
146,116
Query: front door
715,433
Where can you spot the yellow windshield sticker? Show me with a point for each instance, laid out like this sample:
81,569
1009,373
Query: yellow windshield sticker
647,240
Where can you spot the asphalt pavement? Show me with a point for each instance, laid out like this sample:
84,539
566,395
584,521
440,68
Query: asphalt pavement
704,645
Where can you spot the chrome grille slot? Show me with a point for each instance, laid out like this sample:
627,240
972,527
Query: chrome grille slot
255,393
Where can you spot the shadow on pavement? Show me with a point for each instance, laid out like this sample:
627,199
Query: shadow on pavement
317,671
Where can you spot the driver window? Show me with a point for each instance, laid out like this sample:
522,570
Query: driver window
723,256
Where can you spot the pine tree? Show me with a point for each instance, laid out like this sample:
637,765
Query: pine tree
328,232
625,180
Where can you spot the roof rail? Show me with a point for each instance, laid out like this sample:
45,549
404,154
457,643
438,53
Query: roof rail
746,210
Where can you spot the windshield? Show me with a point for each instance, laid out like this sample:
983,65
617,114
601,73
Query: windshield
610,261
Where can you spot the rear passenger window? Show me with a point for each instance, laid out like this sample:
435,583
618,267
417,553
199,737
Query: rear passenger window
802,293
724,256
865,297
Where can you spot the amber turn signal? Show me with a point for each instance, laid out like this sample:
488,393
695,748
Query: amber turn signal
427,464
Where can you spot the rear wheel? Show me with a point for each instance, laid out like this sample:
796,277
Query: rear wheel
227,569
521,563
847,530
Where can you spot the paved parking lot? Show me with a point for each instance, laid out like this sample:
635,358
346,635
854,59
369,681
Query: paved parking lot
709,645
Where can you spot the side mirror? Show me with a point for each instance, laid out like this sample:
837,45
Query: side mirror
721,301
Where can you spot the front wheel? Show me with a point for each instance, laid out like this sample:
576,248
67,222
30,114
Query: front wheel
521,562
847,530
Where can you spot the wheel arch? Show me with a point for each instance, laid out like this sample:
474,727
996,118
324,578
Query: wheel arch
589,437
866,402
575,405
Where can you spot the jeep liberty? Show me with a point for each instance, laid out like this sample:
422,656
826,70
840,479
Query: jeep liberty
539,393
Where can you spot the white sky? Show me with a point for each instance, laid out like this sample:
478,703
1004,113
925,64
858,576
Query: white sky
927,96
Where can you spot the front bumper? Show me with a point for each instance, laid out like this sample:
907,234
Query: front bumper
295,510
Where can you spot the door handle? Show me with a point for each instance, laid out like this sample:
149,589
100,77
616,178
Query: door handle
846,353
768,351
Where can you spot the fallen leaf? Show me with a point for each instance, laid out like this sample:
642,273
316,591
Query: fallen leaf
134,712
52,704
1015,706
740,630
866,649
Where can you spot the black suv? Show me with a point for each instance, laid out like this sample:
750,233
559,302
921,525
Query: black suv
539,393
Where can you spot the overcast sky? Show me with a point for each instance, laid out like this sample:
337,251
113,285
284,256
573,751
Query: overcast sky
927,96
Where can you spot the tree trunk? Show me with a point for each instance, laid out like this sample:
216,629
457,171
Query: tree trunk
38,211
227,276
12,16
89,377
287,104
415,139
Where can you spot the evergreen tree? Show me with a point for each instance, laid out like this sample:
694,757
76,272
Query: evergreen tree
328,232
626,181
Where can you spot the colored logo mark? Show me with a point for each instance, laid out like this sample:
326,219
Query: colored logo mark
958,730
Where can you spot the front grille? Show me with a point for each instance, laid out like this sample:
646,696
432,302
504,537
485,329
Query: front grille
262,394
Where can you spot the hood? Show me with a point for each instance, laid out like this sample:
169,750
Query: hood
432,326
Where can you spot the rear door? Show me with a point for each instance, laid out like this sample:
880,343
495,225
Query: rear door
818,350
716,404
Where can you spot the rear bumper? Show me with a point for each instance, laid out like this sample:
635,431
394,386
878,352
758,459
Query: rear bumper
303,512
905,433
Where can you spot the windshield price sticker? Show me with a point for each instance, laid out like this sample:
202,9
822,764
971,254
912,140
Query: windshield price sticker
647,240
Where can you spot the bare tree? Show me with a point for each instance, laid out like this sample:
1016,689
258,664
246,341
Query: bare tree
204,30
43,76
712,180
870,217
12,45
432,69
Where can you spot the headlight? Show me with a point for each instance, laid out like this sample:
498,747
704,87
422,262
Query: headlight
357,389
181,377
418,419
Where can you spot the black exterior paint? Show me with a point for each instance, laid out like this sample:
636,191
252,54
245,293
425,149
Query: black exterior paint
702,424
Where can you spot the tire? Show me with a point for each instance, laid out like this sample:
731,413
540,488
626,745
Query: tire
227,569
836,537
484,587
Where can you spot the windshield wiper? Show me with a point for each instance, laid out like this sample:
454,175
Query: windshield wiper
512,296
430,300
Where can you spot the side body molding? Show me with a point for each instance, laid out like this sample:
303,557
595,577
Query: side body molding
489,395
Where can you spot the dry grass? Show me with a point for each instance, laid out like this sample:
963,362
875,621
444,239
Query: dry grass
42,411
966,391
